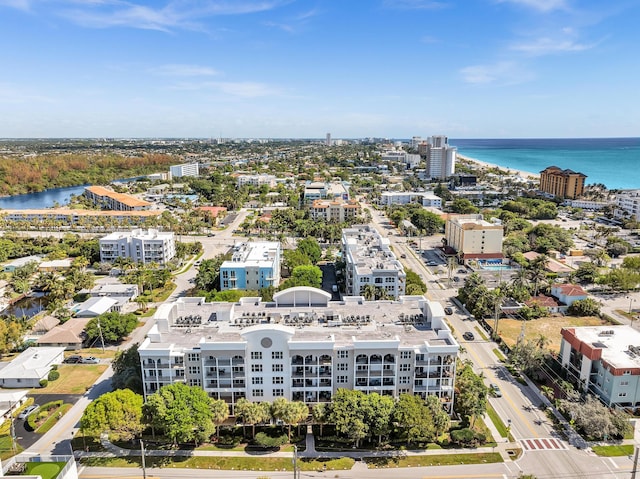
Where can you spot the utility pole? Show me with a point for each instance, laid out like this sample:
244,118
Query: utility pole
144,469
635,464
100,331
295,462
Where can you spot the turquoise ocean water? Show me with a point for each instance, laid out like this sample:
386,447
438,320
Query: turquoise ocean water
615,162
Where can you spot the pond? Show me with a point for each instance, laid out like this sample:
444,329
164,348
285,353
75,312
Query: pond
27,307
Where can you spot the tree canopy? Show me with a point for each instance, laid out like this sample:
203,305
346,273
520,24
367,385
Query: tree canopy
119,413
114,326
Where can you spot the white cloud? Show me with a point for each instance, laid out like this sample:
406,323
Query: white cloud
503,73
172,15
184,70
540,5
18,4
547,45
12,94
240,89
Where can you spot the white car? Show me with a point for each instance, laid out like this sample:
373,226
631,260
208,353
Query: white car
25,412
90,360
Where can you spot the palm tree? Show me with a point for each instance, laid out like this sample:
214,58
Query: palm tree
369,292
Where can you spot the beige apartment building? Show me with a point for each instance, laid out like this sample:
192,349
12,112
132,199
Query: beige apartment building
473,238
562,183
334,211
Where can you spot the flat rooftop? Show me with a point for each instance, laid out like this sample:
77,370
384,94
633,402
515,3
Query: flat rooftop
405,321
620,345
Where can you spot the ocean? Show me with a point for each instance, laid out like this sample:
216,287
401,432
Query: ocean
614,162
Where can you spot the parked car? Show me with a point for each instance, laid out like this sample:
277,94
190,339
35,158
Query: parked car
403,256
90,360
456,279
468,336
26,411
448,310
462,271
75,359
495,390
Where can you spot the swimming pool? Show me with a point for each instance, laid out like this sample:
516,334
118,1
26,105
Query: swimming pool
496,267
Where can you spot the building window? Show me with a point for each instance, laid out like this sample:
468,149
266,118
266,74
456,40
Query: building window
255,381
624,383
343,366
405,367
405,355
256,368
278,380
627,373
343,354
256,355
257,392
404,380
193,357
276,368
622,395
276,354
278,392
195,382
194,369
341,379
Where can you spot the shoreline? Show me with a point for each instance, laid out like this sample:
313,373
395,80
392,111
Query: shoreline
510,171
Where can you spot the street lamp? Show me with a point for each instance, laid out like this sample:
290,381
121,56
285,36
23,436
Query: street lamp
631,300
144,469
295,462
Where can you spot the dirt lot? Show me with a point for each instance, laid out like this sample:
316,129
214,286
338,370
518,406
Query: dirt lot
549,327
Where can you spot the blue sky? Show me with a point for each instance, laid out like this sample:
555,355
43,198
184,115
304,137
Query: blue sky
302,68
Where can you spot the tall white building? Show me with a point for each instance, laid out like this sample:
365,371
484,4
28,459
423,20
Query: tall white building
186,169
142,246
628,204
253,265
257,180
441,158
328,139
302,347
369,260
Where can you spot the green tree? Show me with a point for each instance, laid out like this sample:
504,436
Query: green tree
219,412
126,370
320,414
441,420
251,413
119,413
379,413
304,276
470,400
183,413
311,249
347,414
413,417
114,326
463,206
585,307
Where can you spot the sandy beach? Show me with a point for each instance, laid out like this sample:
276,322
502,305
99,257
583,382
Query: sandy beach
512,171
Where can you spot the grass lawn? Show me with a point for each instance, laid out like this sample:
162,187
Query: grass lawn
497,422
74,379
438,460
225,463
549,327
96,353
47,470
499,355
610,451
5,447
53,419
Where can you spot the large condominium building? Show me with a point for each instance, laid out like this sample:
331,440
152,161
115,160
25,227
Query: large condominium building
319,190
441,158
79,218
604,360
256,180
425,198
111,200
254,265
186,169
628,204
302,347
370,261
562,183
473,238
409,160
142,246
334,211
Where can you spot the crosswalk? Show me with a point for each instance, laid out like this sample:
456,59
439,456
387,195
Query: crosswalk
542,444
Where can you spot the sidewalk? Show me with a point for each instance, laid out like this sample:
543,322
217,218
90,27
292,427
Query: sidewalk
114,451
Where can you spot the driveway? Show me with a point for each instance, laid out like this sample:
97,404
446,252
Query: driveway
27,438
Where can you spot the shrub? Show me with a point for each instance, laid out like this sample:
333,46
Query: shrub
466,437
264,440
53,375
43,383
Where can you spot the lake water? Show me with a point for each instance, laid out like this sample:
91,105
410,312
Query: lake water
42,199
27,307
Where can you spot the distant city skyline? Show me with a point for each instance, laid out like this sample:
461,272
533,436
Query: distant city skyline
300,69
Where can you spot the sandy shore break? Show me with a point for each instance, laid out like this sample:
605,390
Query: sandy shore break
512,171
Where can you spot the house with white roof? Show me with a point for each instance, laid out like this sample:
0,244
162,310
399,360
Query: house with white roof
30,367
93,307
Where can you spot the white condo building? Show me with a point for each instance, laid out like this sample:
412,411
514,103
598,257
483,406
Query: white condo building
142,246
256,180
425,198
628,204
441,158
186,169
302,347
369,260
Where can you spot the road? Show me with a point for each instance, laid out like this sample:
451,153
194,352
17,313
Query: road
519,404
